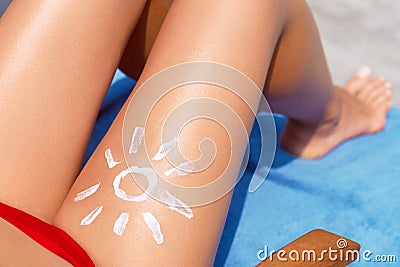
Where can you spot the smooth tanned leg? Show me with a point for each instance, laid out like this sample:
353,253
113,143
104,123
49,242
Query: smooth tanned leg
321,115
241,34
57,60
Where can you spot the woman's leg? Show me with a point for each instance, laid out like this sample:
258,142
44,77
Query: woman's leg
241,34
19,250
57,60
301,92
321,115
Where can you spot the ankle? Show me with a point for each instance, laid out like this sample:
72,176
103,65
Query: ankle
329,117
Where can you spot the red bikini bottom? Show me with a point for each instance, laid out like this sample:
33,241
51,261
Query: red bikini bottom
52,238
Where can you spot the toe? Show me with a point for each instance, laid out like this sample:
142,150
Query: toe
384,100
358,80
372,89
389,89
363,73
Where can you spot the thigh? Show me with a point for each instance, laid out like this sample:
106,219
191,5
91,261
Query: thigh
57,60
123,227
14,243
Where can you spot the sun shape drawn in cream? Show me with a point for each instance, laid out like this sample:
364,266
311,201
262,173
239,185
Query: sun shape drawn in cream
149,219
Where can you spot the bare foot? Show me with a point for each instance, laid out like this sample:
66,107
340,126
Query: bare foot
362,106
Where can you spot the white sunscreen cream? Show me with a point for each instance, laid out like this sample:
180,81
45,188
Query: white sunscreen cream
154,227
149,173
86,193
110,160
137,137
181,170
91,216
164,149
120,223
177,205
